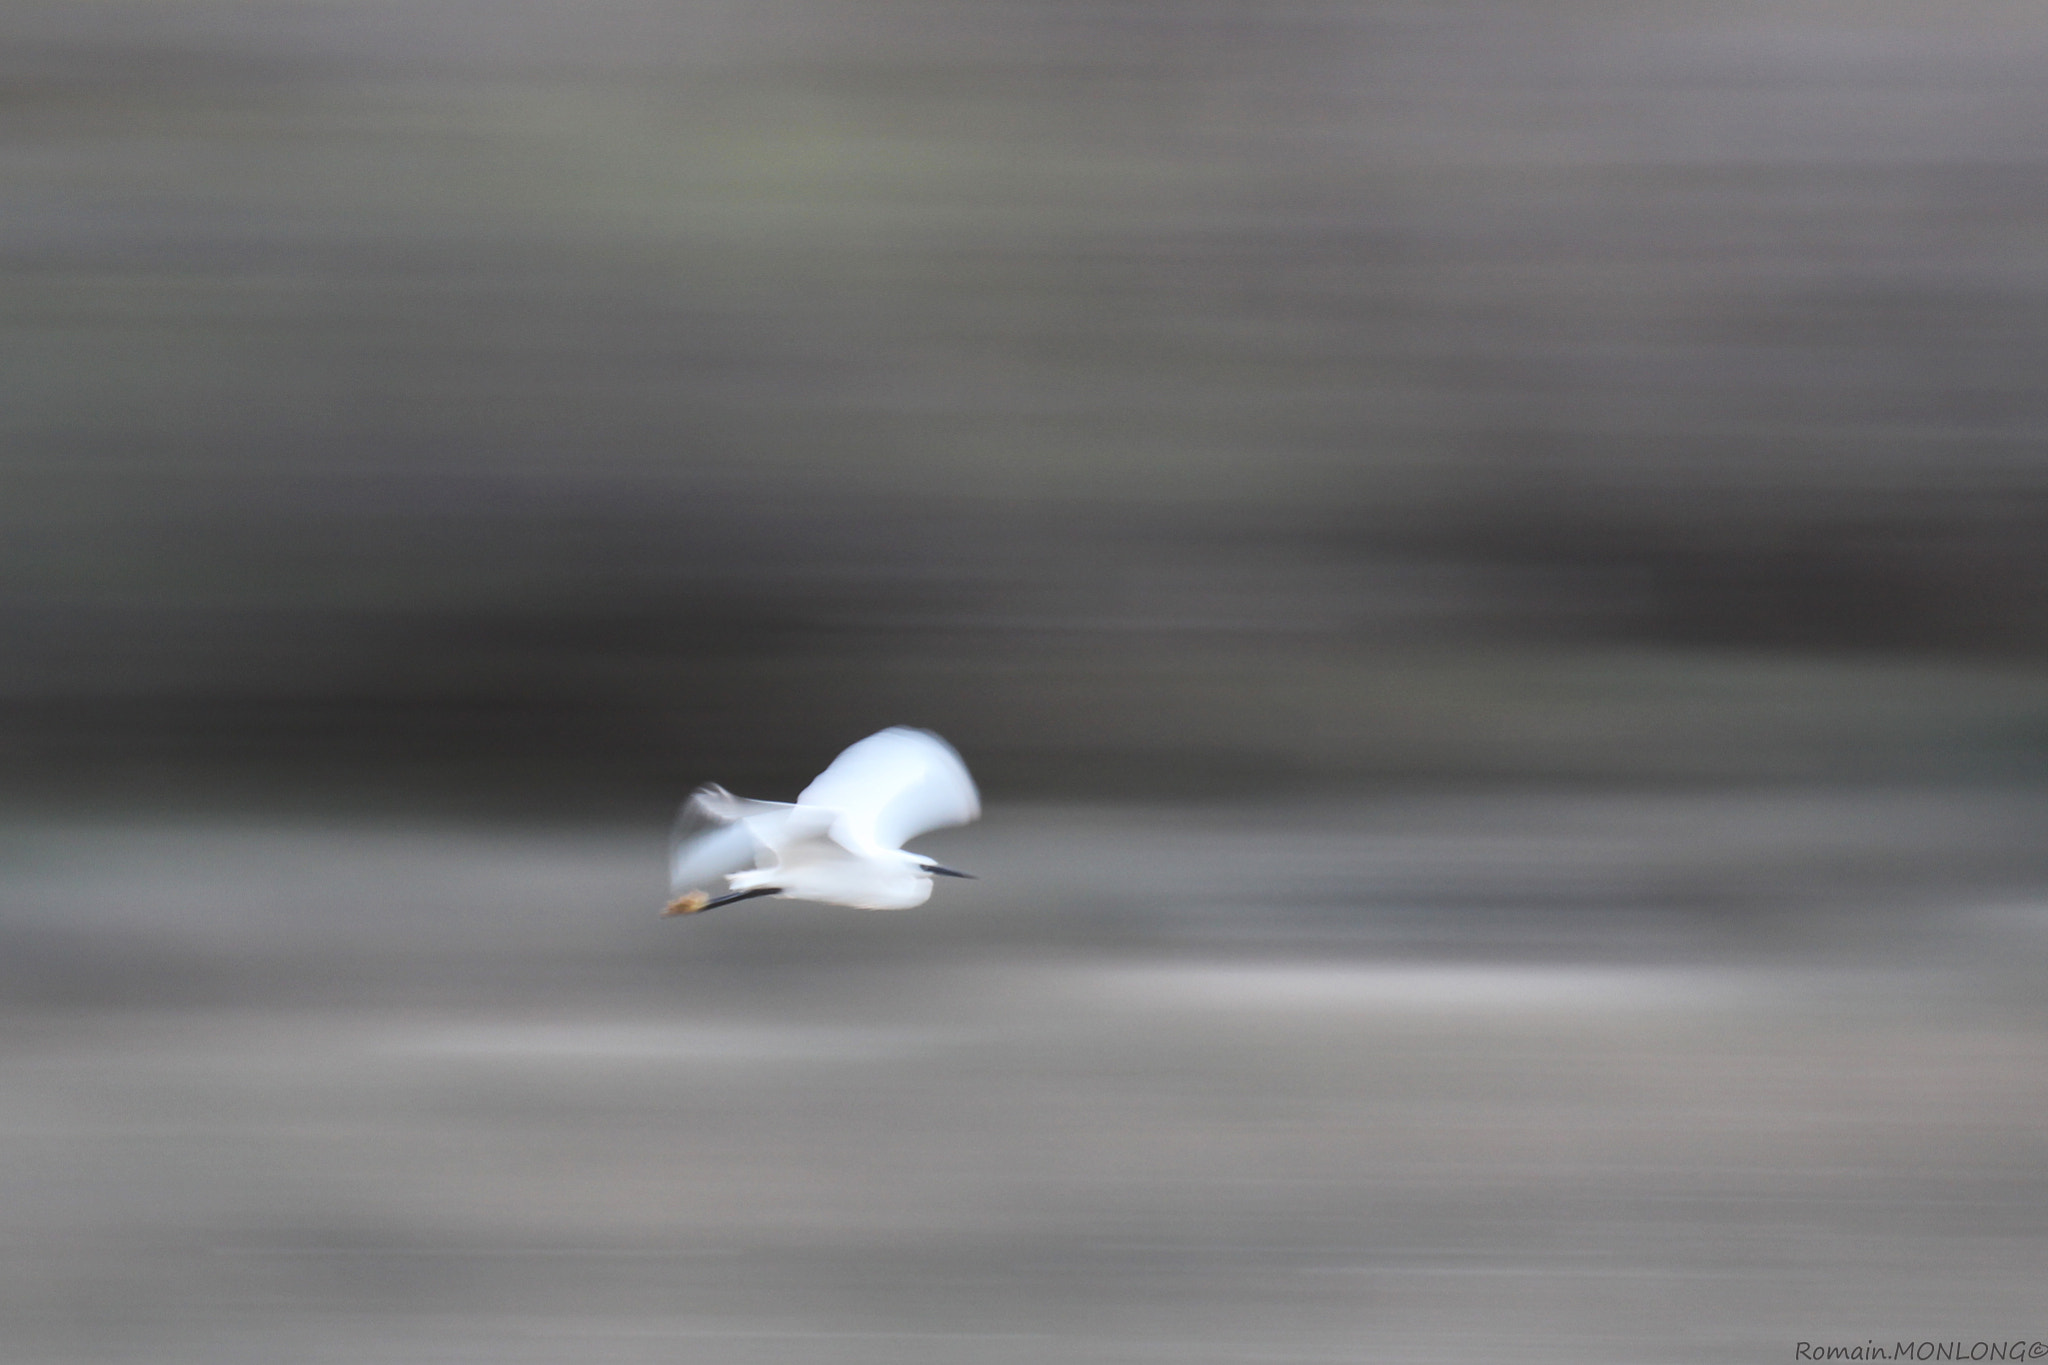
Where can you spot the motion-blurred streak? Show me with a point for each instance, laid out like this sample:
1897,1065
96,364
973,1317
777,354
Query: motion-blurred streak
365,349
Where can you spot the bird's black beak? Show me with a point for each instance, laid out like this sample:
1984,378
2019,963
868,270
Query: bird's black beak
938,871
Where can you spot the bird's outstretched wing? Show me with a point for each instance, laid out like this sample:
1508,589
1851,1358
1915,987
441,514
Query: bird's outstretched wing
716,834
892,787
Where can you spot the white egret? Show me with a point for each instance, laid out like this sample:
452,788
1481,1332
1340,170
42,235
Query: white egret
841,843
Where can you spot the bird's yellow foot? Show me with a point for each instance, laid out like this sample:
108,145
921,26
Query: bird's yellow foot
689,903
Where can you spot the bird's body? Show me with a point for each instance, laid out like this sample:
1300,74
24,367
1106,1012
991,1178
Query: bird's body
841,843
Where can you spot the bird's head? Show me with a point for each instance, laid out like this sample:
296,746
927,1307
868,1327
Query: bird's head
919,863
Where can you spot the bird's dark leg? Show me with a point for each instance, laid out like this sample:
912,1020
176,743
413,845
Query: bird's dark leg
696,902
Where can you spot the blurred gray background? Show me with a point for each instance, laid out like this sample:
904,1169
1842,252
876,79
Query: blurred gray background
1488,558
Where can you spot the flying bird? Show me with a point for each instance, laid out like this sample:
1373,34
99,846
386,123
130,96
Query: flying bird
841,843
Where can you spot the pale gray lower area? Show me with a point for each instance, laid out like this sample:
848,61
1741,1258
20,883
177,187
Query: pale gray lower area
1195,1085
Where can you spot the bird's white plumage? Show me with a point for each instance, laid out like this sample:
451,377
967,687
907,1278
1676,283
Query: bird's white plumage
716,835
842,841
892,787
